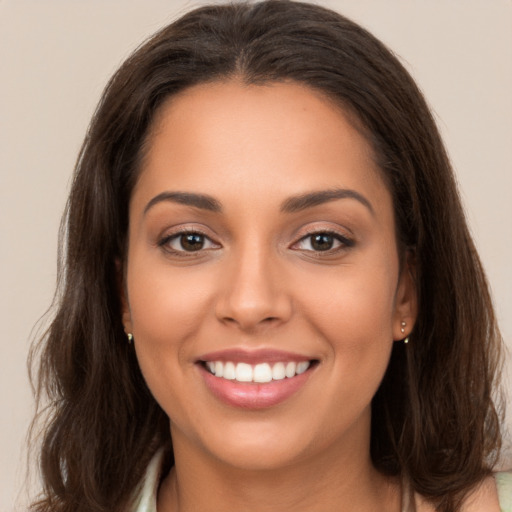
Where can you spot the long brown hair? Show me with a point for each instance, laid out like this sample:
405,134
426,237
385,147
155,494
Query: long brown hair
433,417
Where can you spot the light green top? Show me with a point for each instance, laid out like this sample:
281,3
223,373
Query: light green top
145,496
145,500
504,484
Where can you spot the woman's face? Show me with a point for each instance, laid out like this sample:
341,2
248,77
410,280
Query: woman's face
262,248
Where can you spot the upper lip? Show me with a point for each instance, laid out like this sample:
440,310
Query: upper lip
253,356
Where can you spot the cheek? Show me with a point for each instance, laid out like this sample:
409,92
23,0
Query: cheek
166,309
354,315
166,305
356,306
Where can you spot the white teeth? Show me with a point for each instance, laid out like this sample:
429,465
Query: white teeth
302,367
260,373
229,371
289,370
219,369
243,372
278,371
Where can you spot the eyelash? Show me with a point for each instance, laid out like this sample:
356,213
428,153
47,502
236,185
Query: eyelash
166,240
345,243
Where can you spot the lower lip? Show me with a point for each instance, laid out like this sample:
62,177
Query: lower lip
252,395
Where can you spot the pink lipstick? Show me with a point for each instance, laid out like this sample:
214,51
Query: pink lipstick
254,379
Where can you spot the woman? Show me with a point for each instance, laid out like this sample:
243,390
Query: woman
268,264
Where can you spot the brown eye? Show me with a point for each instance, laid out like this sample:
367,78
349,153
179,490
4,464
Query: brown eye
322,242
192,241
187,241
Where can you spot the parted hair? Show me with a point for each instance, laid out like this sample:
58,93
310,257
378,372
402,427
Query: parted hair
435,418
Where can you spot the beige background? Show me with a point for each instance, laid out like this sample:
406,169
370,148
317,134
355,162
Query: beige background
55,58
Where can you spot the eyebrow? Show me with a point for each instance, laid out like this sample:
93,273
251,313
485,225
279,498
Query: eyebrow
202,201
291,205
311,199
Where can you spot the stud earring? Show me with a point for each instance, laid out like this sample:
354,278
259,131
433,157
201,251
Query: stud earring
129,335
403,324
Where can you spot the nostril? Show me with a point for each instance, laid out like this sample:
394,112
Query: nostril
252,301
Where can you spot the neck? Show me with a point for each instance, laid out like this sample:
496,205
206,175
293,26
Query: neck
337,480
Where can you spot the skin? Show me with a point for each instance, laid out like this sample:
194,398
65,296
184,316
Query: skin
258,283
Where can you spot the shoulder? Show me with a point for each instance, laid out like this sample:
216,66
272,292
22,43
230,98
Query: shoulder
504,489
494,494
484,498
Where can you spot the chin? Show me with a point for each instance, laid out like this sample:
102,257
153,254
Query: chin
270,445
261,457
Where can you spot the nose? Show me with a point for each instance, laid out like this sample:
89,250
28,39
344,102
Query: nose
253,292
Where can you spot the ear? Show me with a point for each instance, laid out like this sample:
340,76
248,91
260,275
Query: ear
406,300
126,317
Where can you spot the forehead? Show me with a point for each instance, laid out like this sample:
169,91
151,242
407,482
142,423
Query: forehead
260,140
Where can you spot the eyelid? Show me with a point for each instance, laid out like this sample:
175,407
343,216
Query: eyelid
178,236
173,234
345,241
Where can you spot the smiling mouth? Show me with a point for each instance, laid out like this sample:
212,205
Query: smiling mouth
260,373
255,379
